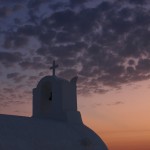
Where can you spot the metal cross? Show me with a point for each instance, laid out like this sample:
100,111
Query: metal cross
54,67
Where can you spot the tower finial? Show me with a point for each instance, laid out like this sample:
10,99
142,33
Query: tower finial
53,67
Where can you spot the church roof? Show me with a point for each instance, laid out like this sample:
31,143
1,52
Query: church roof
51,78
24,133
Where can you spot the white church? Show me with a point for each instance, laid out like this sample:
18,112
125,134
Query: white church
56,124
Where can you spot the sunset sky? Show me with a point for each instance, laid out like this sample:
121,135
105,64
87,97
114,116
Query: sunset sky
105,42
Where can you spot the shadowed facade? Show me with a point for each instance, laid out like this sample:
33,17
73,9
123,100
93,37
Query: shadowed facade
55,124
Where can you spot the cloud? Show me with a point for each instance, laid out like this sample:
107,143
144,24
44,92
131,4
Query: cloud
9,59
68,74
16,77
36,3
10,1
137,2
33,78
62,19
77,2
106,44
107,41
12,75
58,5
32,65
5,11
8,90
17,7
116,103
143,66
15,41
28,30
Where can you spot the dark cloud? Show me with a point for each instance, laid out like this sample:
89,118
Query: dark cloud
17,7
36,3
9,59
137,2
65,51
77,2
143,66
58,5
28,30
14,1
12,75
17,21
32,65
15,41
106,44
125,13
16,77
33,78
104,6
116,103
42,51
47,37
68,74
131,62
8,90
5,11
64,19
100,91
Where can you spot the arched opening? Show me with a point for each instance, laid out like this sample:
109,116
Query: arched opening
46,98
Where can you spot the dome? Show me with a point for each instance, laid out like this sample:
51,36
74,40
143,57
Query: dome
24,133
50,79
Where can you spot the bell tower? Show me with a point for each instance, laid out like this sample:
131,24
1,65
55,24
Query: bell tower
56,98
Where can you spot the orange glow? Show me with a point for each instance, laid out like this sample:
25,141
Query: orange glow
136,140
121,140
122,126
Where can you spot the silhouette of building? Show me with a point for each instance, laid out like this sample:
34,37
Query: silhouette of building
56,98
55,124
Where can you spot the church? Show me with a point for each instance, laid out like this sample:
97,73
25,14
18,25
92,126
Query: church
56,123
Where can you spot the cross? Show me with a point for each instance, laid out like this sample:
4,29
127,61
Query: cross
54,67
